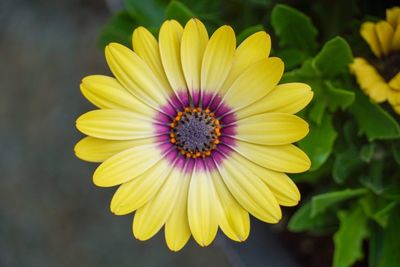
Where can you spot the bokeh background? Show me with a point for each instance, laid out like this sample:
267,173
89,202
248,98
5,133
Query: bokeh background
50,212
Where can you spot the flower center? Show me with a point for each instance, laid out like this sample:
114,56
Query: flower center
389,65
195,132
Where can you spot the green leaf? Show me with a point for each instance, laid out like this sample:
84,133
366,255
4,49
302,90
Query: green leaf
375,122
382,215
313,177
147,13
391,242
392,192
291,57
294,29
396,151
375,245
317,111
306,73
247,32
374,178
348,239
178,11
337,97
336,17
260,2
319,142
119,29
377,208
321,202
302,220
333,58
345,163
367,151
350,135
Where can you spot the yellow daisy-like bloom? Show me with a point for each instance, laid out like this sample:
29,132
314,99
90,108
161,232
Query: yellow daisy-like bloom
196,132
380,79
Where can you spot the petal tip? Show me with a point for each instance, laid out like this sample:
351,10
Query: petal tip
99,180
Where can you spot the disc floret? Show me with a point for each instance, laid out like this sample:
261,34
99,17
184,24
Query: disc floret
195,132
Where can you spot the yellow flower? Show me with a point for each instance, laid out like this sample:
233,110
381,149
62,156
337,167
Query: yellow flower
380,79
196,132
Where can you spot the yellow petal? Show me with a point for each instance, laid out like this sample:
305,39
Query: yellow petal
396,39
194,42
134,194
107,93
98,150
151,217
126,165
284,98
115,124
396,109
394,83
177,231
254,48
134,74
218,58
385,34
257,81
379,91
272,129
369,34
283,188
364,72
170,50
146,46
393,16
202,207
285,158
394,97
370,80
249,190
234,219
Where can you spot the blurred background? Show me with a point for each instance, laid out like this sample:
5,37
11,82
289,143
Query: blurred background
50,212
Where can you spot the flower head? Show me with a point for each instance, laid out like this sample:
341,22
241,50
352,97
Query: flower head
380,78
196,132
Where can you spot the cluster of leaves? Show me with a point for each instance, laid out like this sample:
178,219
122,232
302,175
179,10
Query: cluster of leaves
213,13
354,144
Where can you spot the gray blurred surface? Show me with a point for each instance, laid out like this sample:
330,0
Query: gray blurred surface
50,212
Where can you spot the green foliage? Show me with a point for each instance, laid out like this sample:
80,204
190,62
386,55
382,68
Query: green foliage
247,32
345,164
119,29
373,120
361,187
333,58
291,56
321,202
329,96
294,29
353,144
319,142
213,13
375,245
348,239
396,151
302,220
149,13
390,254
180,12
338,97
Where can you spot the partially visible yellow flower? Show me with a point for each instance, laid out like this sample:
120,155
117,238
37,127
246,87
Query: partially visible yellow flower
195,131
380,78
